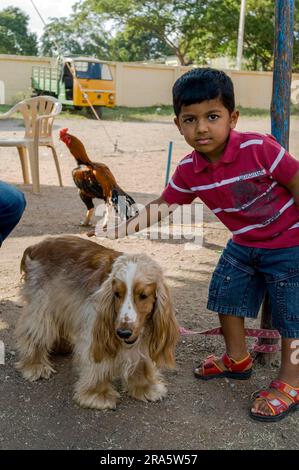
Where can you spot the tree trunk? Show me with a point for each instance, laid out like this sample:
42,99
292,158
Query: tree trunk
181,57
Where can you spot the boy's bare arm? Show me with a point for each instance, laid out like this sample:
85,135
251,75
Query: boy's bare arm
152,213
293,187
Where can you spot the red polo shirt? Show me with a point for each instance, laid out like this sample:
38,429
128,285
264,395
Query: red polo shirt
245,189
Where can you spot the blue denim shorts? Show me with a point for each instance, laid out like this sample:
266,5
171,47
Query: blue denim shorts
243,275
12,206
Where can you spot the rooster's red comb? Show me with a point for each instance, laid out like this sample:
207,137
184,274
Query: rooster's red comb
63,132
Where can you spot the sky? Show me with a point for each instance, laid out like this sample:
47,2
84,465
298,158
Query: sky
47,9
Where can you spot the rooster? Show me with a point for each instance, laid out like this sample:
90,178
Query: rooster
95,180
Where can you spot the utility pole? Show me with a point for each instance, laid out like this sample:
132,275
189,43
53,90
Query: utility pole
241,35
280,110
282,75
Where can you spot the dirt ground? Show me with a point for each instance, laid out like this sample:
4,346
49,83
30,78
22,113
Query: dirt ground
195,415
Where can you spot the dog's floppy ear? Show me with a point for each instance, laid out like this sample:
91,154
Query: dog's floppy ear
104,342
165,330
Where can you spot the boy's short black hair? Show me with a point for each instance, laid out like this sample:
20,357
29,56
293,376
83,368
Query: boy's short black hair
203,84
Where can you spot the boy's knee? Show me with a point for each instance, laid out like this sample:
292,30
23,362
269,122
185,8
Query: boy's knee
19,204
14,205
11,198
22,203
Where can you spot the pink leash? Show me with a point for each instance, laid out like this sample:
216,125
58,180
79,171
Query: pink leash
253,332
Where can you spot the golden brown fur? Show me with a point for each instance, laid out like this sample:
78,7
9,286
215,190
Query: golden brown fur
113,308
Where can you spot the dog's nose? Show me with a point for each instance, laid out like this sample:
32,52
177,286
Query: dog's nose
124,333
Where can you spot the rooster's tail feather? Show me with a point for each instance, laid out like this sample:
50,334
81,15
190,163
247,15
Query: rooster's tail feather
123,204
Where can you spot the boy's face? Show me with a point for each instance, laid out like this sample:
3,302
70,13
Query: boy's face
206,126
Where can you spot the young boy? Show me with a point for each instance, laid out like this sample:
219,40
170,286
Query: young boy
252,185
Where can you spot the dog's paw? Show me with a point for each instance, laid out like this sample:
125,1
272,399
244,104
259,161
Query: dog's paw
153,392
98,401
35,371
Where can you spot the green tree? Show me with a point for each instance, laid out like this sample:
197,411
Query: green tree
131,45
259,39
220,38
197,30
217,35
86,32
14,35
193,30
259,35
76,35
166,21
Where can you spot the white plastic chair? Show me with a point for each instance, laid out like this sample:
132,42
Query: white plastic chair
38,114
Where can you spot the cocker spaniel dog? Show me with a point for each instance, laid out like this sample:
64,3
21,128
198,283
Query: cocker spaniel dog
114,309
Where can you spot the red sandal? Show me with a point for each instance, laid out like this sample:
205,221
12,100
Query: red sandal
277,405
234,369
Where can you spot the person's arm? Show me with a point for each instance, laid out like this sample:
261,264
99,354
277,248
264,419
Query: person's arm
283,167
151,214
293,187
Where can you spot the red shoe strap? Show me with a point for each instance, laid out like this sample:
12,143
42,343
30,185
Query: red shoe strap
291,392
210,364
236,366
276,404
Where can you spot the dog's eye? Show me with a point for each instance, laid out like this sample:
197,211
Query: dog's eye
142,296
117,294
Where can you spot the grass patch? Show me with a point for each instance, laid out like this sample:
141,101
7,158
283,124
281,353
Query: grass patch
251,112
149,113
123,113
65,114
4,108
264,112
143,114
